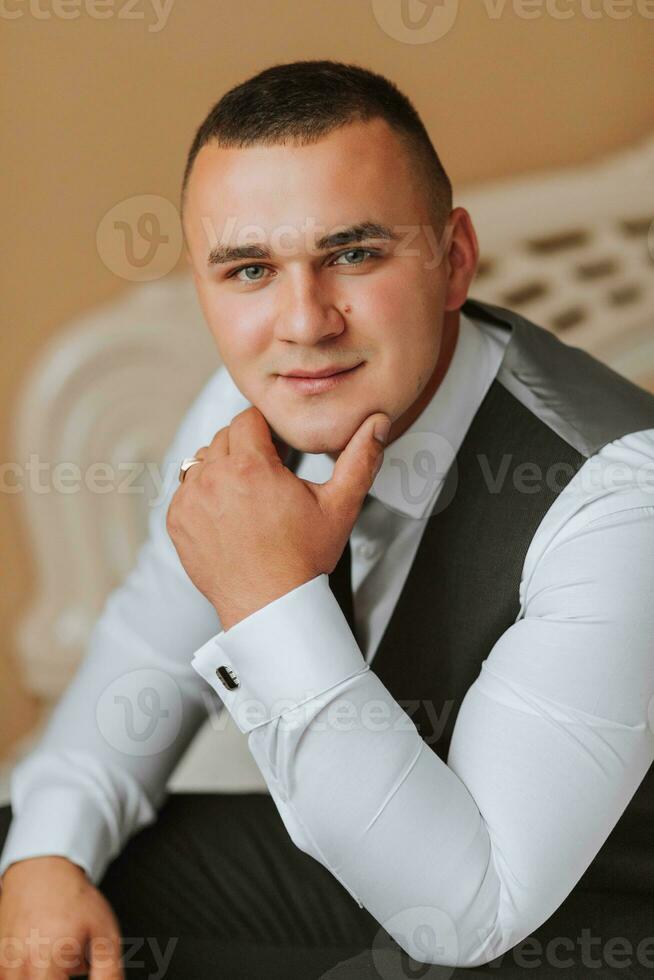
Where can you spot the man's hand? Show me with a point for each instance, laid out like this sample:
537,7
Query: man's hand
54,923
247,530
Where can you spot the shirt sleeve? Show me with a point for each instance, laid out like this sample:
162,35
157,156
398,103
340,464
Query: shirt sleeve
99,770
461,861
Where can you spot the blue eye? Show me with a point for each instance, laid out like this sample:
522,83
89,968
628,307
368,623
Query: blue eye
244,268
367,252
354,251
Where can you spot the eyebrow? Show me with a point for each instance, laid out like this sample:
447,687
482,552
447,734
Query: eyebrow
362,232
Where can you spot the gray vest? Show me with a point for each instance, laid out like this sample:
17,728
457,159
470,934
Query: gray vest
550,405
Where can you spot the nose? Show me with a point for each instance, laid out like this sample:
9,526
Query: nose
307,313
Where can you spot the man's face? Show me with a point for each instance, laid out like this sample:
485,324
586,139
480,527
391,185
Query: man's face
366,301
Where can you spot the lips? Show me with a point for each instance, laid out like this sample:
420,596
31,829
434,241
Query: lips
324,373
317,385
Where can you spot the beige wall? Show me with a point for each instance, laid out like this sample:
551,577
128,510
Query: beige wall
98,110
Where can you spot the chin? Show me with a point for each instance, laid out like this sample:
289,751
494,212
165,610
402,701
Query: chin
318,445
323,439
321,429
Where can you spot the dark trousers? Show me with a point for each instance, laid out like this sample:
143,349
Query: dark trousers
215,888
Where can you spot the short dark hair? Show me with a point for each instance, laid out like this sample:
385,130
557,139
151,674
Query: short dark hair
304,101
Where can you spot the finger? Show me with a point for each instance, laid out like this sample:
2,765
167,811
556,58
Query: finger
218,447
220,444
249,431
104,954
355,471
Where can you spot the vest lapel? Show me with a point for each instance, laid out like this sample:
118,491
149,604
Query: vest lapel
340,582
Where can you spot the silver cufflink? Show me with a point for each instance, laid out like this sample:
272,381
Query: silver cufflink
227,677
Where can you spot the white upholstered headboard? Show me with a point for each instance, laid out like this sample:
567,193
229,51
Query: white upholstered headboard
574,251
111,389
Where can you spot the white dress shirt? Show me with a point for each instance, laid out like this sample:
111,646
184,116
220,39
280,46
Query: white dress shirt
550,744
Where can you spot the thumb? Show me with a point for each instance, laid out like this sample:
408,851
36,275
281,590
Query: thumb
357,466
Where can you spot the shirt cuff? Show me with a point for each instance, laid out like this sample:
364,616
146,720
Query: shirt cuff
284,654
63,822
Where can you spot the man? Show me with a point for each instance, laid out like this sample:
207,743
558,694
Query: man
440,650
